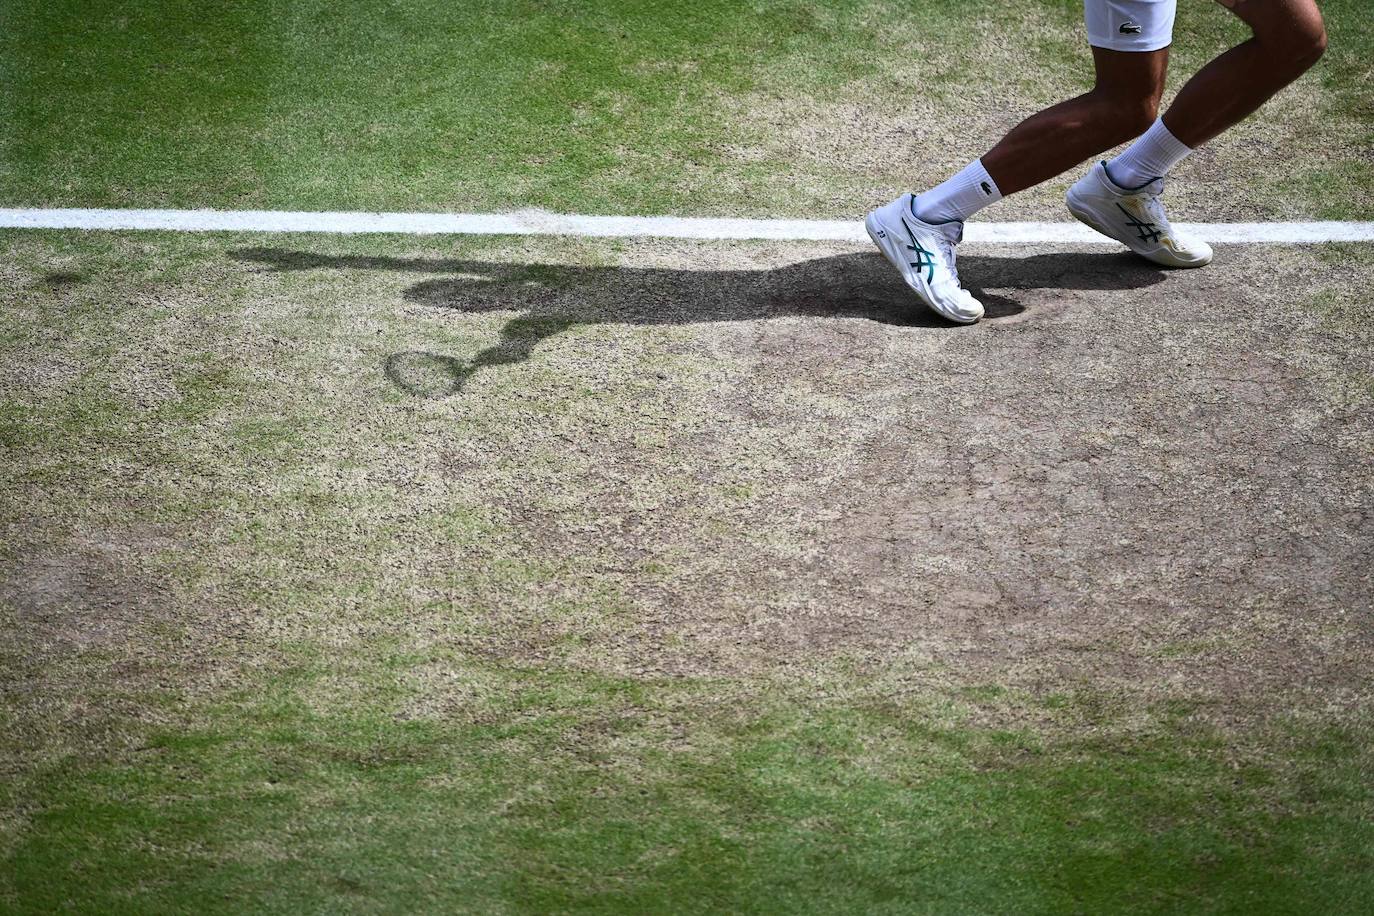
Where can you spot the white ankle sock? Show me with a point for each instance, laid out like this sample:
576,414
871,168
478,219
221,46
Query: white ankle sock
1149,157
958,198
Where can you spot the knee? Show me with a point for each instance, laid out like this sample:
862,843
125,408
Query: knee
1310,47
1298,45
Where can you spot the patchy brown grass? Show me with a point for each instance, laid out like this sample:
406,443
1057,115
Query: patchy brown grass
763,460
731,461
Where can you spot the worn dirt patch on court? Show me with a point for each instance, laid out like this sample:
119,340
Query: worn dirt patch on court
73,601
741,459
90,629
1124,475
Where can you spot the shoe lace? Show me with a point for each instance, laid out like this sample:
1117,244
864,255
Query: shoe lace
947,250
1155,207
1156,210
951,258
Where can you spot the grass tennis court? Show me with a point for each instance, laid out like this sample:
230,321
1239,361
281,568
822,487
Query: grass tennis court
547,574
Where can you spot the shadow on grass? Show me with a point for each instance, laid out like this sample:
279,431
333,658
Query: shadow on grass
556,297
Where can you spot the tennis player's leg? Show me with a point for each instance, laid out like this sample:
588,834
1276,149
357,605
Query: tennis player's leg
1122,104
1288,37
918,233
1121,198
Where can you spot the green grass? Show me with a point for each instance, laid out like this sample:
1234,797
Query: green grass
549,791
612,107
419,104
316,640
355,683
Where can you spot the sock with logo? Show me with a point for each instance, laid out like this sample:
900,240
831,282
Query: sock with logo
958,198
1149,157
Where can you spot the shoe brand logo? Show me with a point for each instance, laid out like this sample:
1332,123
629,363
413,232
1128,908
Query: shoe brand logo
924,258
987,188
1148,232
1130,28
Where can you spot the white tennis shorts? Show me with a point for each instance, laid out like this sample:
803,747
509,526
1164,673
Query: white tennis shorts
1129,25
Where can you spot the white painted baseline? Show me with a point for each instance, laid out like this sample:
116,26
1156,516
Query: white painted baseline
540,222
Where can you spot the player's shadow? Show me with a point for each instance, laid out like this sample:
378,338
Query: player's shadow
554,297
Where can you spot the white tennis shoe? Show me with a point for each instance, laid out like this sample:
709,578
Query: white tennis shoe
1134,217
924,255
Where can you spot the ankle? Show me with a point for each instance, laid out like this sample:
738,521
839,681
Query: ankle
1151,156
958,198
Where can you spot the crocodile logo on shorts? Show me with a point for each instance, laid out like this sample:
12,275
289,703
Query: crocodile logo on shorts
1130,28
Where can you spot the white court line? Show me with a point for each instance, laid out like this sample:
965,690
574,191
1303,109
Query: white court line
540,222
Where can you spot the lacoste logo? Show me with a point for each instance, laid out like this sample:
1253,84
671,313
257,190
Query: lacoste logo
987,189
1130,28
